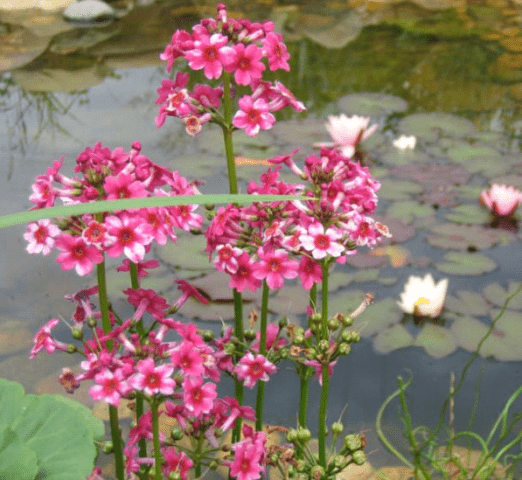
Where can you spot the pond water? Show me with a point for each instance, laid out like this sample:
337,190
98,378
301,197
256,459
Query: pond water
450,76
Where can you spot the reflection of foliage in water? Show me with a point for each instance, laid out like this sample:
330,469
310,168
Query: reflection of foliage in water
44,107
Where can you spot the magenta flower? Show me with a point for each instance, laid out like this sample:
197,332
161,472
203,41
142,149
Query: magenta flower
321,243
245,62
43,339
276,51
209,54
247,461
153,380
253,116
244,277
319,369
123,186
252,368
189,359
77,254
110,388
198,398
309,272
41,236
274,266
131,233
502,200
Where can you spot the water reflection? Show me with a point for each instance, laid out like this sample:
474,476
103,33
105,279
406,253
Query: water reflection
413,57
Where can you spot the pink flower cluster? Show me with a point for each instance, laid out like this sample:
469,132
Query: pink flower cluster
108,175
236,47
255,242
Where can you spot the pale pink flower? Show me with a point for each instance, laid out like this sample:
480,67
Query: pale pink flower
153,380
502,200
320,242
198,398
77,254
252,368
253,116
347,132
41,236
110,388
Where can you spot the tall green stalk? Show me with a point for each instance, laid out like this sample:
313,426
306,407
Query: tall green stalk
113,411
325,378
156,440
262,350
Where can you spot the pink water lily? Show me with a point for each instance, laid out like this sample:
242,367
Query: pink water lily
502,200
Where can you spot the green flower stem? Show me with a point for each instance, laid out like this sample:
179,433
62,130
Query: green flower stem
304,371
238,332
135,283
227,134
325,378
262,351
156,440
113,411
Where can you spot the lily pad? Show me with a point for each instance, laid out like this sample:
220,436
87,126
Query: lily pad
371,104
469,213
188,252
497,295
20,46
392,338
299,132
463,263
339,279
437,341
392,189
377,316
408,210
393,156
469,332
432,126
467,237
345,302
346,30
469,192
467,303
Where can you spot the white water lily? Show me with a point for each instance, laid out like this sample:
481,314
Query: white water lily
405,143
422,297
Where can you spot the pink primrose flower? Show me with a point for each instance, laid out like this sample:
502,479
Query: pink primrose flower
43,339
246,64
131,233
319,369
123,186
146,301
320,242
189,359
77,254
188,291
153,380
142,266
502,200
209,54
226,259
274,266
247,461
244,277
272,330
276,52
198,398
310,272
110,388
176,462
44,193
41,236
96,234
253,116
252,368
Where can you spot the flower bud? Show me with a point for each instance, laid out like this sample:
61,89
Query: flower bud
333,325
208,335
213,465
337,428
304,434
91,322
317,472
352,442
347,321
291,435
344,348
176,434
174,475
229,348
77,333
250,335
290,470
108,448
316,318
71,349
283,322
300,465
299,339
358,457
283,354
323,345
274,458
339,461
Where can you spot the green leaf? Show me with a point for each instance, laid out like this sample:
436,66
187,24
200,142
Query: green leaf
463,263
467,213
128,203
437,341
392,338
55,431
17,460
